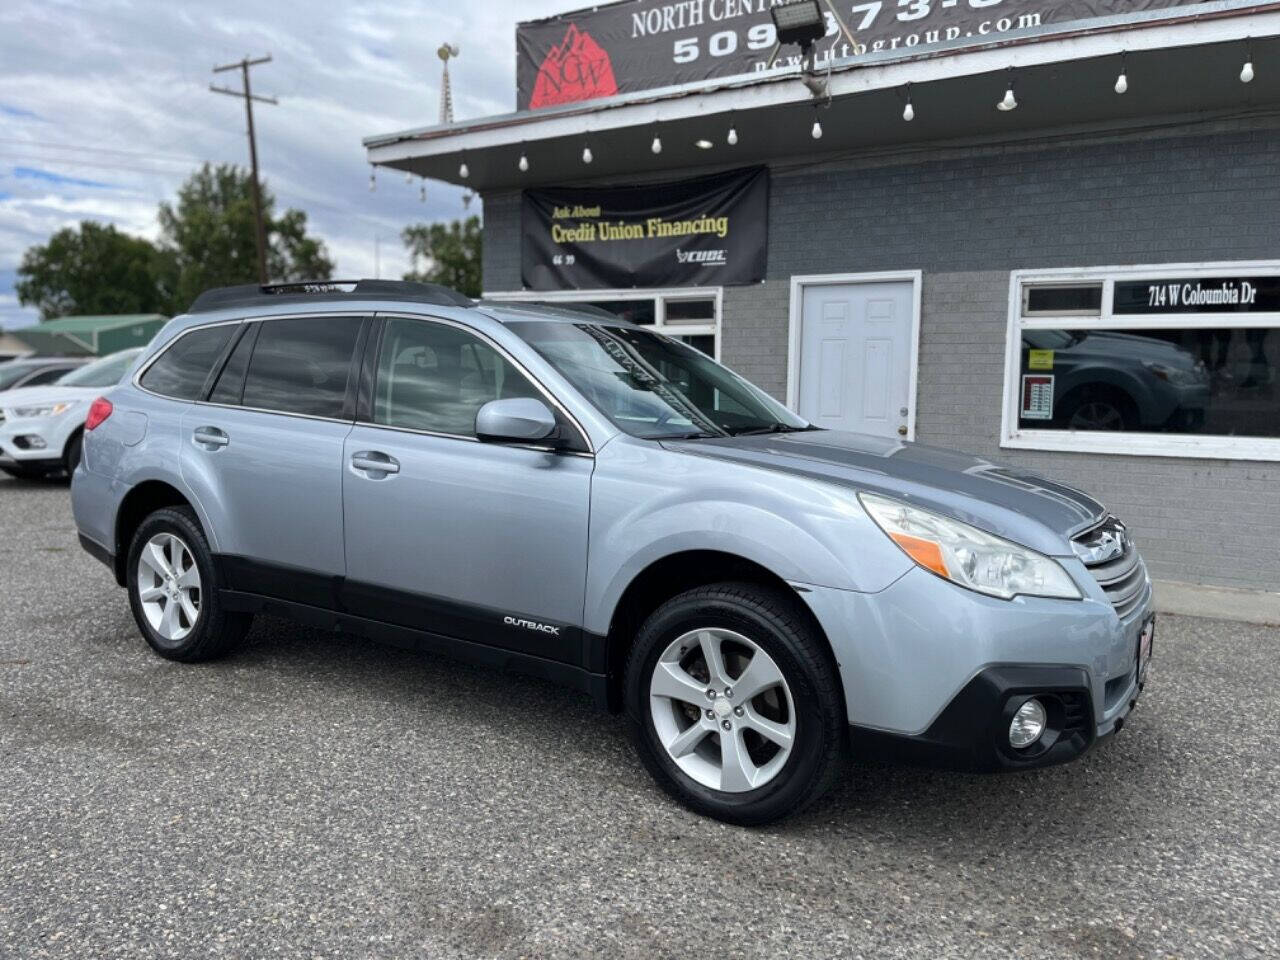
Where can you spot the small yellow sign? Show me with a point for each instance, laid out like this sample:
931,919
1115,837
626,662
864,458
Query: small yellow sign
1040,360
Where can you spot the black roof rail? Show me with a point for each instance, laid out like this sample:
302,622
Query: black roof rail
302,291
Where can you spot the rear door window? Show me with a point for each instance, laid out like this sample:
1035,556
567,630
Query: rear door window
183,369
302,365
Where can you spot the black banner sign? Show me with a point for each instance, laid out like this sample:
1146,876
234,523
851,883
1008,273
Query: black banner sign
644,44
1197,295
707,231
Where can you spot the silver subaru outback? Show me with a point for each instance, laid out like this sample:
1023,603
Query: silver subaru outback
566,495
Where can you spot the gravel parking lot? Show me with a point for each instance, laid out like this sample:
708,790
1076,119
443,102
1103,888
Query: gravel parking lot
318,796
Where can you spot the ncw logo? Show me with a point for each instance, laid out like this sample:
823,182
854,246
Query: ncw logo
577,69
710,258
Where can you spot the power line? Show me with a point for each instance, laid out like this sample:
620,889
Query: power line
81,148
247,95
94,164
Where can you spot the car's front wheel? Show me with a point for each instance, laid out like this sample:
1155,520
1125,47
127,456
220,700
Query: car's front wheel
173,590
734,703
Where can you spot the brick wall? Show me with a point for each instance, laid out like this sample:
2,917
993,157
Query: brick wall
966,218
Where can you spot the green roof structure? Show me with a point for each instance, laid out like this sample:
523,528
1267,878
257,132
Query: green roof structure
91,335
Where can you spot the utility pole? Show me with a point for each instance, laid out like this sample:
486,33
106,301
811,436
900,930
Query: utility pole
248,96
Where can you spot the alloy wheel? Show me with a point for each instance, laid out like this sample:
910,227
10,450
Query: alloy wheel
169,587
722,710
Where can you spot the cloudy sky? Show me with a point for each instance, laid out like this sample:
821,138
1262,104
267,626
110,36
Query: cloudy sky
105,109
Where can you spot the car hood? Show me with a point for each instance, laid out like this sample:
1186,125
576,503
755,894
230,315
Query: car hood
36,396
1006,501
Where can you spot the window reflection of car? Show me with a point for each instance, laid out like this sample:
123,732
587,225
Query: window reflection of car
1120,381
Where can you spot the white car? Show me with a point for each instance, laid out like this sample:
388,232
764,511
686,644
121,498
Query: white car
41,427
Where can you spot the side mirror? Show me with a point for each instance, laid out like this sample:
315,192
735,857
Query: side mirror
515,419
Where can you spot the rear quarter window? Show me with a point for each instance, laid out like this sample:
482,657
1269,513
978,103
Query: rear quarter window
182,370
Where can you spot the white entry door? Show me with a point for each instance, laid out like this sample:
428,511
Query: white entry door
856,356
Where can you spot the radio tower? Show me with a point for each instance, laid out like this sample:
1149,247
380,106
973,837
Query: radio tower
446,52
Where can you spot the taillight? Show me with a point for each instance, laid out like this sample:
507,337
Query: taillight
99,410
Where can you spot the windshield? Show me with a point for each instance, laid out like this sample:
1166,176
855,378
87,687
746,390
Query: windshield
652,386
11,373
106,372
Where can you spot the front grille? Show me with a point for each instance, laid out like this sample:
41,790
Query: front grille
1108,551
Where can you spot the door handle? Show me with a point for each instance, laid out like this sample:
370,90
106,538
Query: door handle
377,464
211,438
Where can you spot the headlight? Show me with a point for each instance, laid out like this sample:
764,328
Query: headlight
47,410
968,556
1178,376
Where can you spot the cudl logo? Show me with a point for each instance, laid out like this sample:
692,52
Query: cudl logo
710,258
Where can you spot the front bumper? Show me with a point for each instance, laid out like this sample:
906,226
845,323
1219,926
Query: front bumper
931,666
34,441
972,733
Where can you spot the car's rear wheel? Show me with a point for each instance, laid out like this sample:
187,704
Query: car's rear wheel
173,590
734,703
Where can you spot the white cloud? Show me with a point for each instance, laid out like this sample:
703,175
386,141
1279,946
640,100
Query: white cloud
108,75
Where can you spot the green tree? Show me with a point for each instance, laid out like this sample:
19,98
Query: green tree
210,233
93,269
449,253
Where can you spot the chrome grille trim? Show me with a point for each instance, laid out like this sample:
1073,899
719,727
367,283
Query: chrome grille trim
1107,550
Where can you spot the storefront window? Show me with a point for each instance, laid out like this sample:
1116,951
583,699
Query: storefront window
691,316
1160,361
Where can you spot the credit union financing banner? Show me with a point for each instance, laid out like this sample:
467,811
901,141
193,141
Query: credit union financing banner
704,232
643,44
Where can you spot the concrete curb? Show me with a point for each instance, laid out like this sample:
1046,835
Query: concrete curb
1220,603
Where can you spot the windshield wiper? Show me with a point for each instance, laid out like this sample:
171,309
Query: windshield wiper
771,428
691,435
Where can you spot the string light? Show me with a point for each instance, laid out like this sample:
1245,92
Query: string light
524,163
816,132
464,171
373,179
656,146
408,176
732,138
422,193
1122,81
587,155
1010,102
908,112
1246,72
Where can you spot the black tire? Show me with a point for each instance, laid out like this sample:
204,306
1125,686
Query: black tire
71,455
216,632
778,625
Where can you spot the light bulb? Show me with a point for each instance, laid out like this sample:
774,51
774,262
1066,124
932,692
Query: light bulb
732,138
422,193
1246,72
373,182
908,112
656,146
464,171
816,132
1010,102
1122,83
523,164
587,156
408,178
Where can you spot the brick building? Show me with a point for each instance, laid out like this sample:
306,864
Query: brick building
993,280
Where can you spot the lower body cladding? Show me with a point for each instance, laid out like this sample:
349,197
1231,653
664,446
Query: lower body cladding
937,674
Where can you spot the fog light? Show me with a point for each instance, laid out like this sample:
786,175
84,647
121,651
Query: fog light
1028,724
30,442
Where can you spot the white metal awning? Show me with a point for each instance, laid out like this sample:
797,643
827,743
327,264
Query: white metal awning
1188,63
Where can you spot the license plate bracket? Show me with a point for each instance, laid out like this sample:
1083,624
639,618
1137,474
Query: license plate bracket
1146,642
